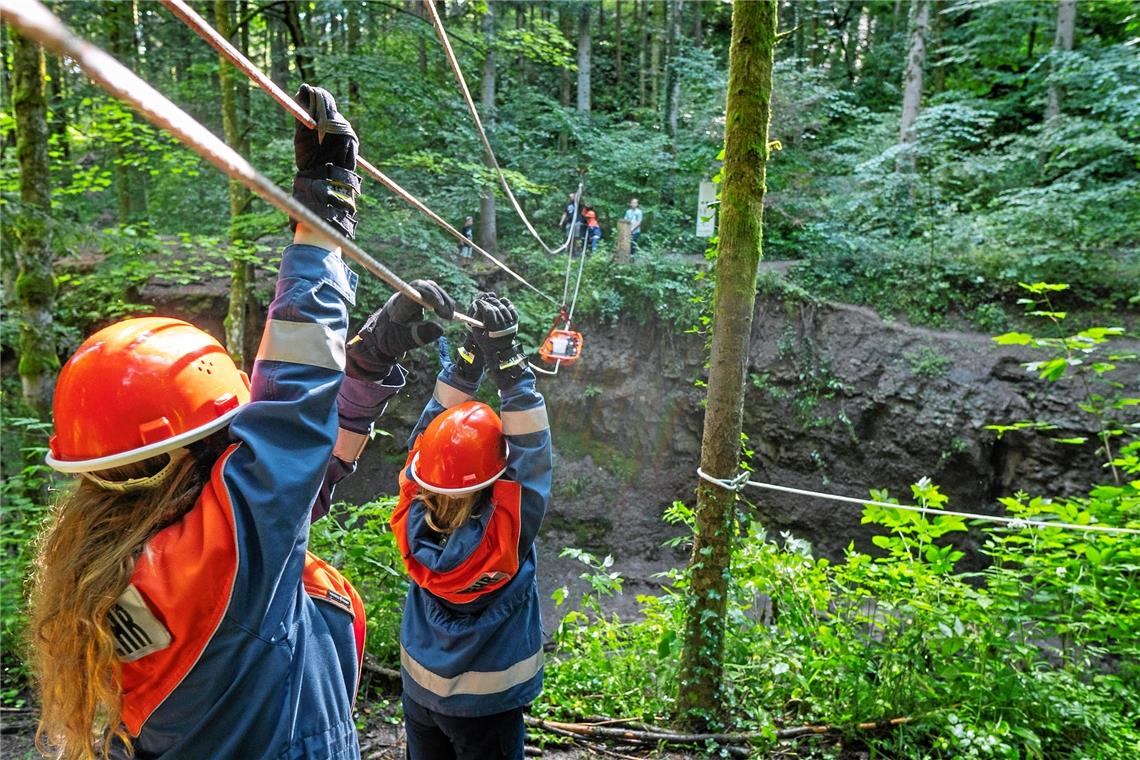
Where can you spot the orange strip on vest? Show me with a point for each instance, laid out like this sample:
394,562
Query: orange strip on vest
186,575
323,581
493,563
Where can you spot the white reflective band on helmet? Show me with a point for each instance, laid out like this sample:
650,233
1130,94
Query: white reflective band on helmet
302,343
472,682
527,421
142,452
457,491
349,445
448,395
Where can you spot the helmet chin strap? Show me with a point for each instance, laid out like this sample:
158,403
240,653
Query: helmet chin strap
140,484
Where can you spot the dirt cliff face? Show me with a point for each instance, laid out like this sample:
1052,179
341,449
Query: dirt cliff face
838,400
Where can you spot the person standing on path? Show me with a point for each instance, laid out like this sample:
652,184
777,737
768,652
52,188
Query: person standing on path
634,215
468,231
593,229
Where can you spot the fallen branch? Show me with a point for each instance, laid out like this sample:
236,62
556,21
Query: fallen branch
601,730
371,666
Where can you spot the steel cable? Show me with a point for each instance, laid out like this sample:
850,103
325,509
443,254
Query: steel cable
454,63
742,480
243,64
38,23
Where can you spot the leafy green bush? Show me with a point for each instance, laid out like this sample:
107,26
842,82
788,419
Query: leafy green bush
1033,657
23,492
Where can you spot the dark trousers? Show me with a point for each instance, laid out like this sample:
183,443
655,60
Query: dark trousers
432,736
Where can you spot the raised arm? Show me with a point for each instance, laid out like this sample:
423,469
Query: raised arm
373,376
523,410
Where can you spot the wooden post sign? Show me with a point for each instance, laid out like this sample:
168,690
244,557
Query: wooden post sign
624,238
706,210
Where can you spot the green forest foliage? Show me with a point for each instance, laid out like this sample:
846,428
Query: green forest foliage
1033,657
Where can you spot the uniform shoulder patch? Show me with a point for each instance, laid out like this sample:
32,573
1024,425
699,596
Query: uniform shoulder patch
136,630
485,580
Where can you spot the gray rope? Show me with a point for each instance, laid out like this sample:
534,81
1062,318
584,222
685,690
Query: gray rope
739,482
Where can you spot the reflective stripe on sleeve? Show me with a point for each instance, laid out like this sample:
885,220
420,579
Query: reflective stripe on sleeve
474,681
349,444
302,343
527,421
448,396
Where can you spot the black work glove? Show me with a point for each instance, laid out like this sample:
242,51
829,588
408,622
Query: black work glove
497,340
326,158
469,360
394,330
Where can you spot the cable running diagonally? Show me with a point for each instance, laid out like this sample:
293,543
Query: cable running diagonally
38,23
243,64
1013,522
454,62
573,224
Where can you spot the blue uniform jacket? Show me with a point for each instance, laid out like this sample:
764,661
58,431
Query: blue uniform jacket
483,656
260,657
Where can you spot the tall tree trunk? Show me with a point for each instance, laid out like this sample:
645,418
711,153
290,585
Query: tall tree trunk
748,110
673,74
488,233
617,51
813,51
698,17
656,11
1062,42
35,282
915,61
642,53
800,50
301,55
58,110
353,46
584,59
566,26
239,196
937,26
115,16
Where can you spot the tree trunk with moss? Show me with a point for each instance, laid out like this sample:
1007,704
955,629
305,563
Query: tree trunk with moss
35,282
240,274
699,697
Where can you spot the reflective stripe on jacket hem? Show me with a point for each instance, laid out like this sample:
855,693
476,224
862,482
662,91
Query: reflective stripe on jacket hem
525,421
308,343
474,681
448,395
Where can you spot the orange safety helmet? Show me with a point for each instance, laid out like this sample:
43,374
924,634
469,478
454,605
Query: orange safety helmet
461,451
139,388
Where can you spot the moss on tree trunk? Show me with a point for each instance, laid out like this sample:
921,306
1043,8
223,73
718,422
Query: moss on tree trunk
741,223
35,283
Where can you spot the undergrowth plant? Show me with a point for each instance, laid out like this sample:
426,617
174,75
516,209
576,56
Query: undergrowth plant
1033,657
1087,357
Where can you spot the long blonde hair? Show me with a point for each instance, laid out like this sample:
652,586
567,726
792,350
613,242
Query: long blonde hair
84,562
445,513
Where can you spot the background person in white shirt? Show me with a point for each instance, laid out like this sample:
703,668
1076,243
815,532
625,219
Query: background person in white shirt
633,215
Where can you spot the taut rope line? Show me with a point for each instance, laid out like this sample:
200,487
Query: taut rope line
38,23
243,64
738,483
451,59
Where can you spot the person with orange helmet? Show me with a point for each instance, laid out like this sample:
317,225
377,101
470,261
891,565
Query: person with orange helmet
472,497
176,611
